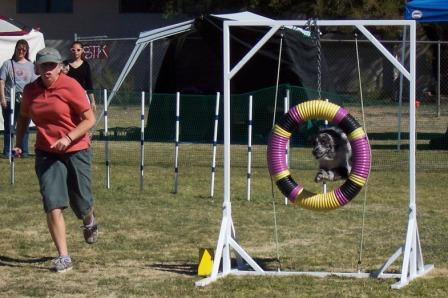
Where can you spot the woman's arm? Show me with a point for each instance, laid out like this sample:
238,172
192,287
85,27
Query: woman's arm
23,122
3,102
87,122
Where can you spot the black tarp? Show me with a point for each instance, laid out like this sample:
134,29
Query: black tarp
193,63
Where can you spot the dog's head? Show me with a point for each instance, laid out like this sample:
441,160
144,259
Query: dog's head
327,142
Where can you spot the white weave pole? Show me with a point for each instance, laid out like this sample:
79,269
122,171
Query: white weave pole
324,182
11,135
106,138
215,139
176,145
142,141
286,109
249,148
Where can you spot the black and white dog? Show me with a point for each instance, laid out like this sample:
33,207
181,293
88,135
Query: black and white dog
333,151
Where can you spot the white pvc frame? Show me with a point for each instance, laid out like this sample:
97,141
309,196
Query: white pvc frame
412,266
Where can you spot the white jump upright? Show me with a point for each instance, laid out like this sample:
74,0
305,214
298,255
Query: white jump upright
11,135
106,139
176,145
215,140
412,263
249,148
142,140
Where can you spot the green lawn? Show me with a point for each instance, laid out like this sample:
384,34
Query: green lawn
149,241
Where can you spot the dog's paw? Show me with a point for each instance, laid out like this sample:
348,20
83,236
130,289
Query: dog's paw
321,176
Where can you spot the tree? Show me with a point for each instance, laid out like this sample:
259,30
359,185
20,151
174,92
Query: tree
340,9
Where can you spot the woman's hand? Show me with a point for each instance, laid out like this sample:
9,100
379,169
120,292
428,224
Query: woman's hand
17,151
62,143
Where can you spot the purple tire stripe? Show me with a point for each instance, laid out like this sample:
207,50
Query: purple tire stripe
295,115
293,194
340,197
340,114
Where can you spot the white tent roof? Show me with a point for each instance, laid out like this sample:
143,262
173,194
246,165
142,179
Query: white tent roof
242,16
10,33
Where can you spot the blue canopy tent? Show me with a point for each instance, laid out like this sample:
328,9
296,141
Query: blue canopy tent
431,11
427,11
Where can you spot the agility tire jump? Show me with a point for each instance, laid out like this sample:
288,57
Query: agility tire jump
361,156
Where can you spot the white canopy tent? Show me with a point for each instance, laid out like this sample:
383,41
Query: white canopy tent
10,33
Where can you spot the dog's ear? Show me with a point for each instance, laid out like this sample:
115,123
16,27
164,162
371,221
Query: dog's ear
338,136
332,131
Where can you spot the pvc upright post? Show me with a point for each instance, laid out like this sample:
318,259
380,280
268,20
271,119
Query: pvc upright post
106,139
215,139
325,183
249,149
11,135
176,145
142,140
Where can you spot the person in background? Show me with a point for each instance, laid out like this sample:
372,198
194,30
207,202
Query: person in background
59,107
17,71
79,69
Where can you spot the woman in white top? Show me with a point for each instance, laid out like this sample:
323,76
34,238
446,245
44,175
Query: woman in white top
17,71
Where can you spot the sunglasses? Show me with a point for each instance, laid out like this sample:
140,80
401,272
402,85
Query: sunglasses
76,50
21,50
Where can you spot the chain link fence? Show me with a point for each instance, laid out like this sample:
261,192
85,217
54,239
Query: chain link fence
385,117
379,79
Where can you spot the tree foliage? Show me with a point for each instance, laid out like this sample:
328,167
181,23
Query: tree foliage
329,9
290,9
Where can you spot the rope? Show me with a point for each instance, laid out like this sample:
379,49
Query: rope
278,78
361,242
272,181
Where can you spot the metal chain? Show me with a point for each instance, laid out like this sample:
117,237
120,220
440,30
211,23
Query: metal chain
316,36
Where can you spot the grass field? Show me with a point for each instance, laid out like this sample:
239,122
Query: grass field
149,241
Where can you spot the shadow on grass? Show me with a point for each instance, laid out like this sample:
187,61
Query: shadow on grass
183,269
24,262
192,269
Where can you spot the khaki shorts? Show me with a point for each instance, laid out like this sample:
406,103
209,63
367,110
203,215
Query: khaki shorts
65,179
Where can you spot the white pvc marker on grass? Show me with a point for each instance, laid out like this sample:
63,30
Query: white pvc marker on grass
176,145
249,148
215,139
